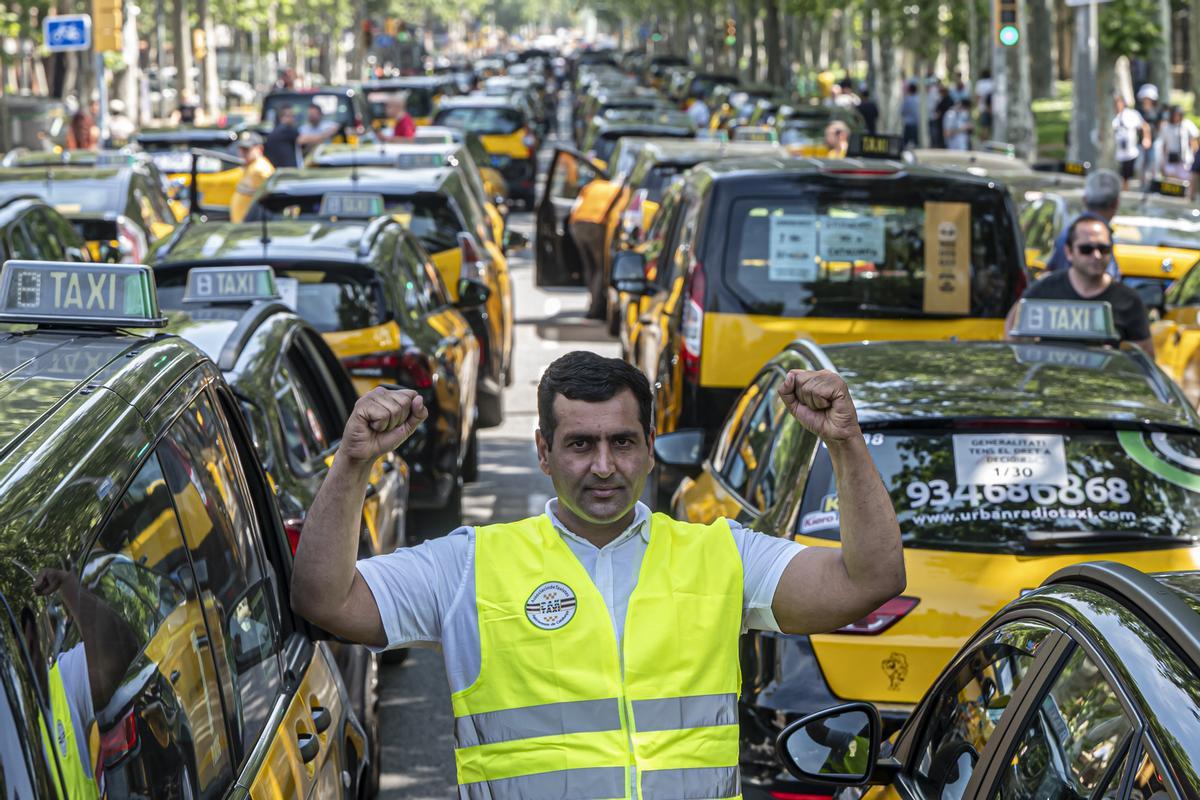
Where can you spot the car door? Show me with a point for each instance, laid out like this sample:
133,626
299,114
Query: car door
557,259
646,335
1177,335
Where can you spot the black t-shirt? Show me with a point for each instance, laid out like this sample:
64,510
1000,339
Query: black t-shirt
870,114
280,147
1129,313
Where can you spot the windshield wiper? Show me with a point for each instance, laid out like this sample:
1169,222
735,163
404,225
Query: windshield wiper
1067,538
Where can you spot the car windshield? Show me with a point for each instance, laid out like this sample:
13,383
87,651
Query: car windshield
68,196
485,120
872,248
176,157
430,216
419,101
658,179
337,107
1159,231
993,489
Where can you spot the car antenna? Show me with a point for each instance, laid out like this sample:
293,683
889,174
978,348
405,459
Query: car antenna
266,236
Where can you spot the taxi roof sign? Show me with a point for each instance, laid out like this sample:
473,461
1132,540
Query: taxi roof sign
1070,320
351,205
871,145
230,285
1077,167
1170,187
79,294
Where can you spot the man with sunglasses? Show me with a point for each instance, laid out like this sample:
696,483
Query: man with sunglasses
1089,250
1101,198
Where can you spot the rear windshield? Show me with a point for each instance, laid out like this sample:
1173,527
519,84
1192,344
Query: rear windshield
419,103
803,133
176,158
607,142
430,217
337,107
703,86
490,121
998,490
1159,231
880,248
658,179
69,196
331,299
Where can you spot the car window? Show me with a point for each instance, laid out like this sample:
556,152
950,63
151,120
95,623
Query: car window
45,236
965,708
420,294
148,649
19,243
1187,291
1038,223
569,174
750,447
1076,734
1148,783
791,445
666,219
302,430
221,527
494,121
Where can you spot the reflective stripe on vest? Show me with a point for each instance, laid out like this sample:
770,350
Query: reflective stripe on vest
76,782
558,712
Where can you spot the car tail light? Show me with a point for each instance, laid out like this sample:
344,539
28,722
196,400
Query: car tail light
631,218
131,242
408,369
693,321
473,267
292,528
117,742
881,618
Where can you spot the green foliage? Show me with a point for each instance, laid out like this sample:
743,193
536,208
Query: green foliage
1129,27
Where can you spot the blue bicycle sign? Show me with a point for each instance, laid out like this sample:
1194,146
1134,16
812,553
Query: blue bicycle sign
67,32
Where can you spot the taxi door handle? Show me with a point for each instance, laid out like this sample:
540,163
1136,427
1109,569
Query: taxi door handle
388,466
372,490
321,718
309,746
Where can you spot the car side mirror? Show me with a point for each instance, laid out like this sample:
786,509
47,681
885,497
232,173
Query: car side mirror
629,273
515,240
838,746
1153,294
472,294
682,449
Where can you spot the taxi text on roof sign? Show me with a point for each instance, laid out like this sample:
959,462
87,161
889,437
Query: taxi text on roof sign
75,294
868,145
230,285
1065,319
348,205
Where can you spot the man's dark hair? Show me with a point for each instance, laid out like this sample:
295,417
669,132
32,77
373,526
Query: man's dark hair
581,375
1086,216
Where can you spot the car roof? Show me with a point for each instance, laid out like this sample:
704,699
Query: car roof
784,167
63,174
477,101
686,151
410,82
77,412
232,243
388,180
996,163
926,380
186,134
347,90
644,119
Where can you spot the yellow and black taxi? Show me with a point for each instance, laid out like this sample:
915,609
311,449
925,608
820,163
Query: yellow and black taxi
1156,239
119,209
507,134
604,132
421,93
1004,461
31,230
296,397
493,182
695,86
439,208
344,106
218,164
801,128
658,65
1176,333
369,288
1084,687
607,206
149,646
758,251
606,99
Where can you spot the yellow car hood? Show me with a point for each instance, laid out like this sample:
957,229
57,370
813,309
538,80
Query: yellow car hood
1151,261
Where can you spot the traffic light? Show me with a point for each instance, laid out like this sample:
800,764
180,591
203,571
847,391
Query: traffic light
1007,32
199,44
107,20
730,33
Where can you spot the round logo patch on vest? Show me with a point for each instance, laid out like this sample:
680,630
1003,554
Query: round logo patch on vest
551,606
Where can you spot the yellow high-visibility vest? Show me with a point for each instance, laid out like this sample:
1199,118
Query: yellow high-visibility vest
560,712
75,782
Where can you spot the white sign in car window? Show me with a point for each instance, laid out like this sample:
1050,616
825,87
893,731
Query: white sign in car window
852,239
792,249
983,459
289,291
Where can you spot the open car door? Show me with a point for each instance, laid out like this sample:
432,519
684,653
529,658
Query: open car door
558,262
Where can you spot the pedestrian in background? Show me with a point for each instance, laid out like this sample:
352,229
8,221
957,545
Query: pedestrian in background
1102,199
82,132
120,127
1147,98
869,110
1175,145
944,104
910,115
1129,131
405,128
316,129
256,171
281,147
837,139
957,126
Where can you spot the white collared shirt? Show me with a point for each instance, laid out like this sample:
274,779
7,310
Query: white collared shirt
426,594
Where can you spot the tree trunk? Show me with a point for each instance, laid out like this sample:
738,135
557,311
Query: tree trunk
182,37
1040,30
1160,56
209,82
846,17
1193,34
771,32
751,22
1022,132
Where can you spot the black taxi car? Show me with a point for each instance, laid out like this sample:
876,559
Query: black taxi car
145,619
440,208
758,251
603,133
218,164
344,106
296,398
1084,687
507,133
1004,461
422,94
369,287
120,209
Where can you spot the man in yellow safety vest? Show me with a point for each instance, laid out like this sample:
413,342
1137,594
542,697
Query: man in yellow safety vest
592,651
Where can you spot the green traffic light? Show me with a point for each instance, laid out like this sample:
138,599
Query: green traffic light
1009,35
731,40
656,37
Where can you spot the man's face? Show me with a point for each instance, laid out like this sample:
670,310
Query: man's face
287,116
249,154
1092,249
600,457
314,115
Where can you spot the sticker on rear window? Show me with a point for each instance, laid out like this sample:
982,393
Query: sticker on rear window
947,258
986,459
792,250
852,239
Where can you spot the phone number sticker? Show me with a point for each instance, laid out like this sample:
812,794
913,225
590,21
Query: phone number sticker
990,459
1097,490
